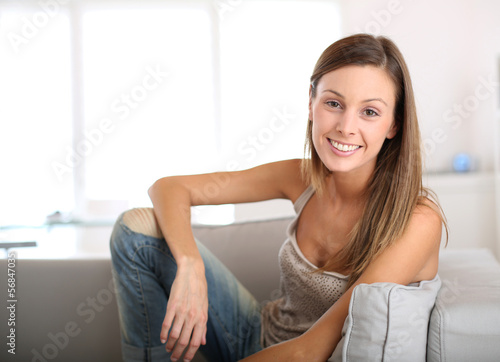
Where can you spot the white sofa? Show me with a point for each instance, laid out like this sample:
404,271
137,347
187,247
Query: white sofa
66,309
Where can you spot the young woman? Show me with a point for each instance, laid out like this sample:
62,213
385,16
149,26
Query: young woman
363,216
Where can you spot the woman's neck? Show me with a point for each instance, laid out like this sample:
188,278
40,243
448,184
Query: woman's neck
348,187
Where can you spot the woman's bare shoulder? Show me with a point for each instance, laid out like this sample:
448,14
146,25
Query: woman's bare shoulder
289,176
429,213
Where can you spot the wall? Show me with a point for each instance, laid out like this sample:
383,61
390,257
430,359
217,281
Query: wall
452,49
453,53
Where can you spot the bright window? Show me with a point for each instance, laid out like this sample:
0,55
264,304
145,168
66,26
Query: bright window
101,98
149,76
35,113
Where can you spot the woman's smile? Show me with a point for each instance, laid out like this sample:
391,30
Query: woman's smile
346,149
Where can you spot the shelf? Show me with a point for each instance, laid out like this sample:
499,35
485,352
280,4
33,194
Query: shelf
484,181
49,225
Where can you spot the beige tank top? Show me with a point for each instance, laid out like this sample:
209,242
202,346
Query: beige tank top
304,296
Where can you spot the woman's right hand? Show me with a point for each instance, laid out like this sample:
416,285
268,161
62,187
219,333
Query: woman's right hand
185,323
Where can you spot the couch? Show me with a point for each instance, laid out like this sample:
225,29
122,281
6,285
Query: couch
66,309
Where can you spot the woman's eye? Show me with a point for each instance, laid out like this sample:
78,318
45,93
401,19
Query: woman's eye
333,104
371,113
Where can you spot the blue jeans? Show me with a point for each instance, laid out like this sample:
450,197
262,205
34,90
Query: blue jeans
144,270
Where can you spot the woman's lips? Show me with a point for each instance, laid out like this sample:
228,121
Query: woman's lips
342,147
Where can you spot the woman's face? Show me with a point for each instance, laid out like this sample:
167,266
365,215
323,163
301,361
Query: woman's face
352,115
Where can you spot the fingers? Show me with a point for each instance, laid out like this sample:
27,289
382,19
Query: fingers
184,326
173,336
182,344
196,340
184,335
165,327
185,342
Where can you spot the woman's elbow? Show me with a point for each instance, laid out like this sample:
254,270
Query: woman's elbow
158,185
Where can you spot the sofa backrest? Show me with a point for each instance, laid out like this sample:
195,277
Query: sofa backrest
65,311
250,251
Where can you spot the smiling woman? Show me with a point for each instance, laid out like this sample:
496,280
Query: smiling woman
362,216
361,94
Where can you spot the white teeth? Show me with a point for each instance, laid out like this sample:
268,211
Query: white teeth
342,147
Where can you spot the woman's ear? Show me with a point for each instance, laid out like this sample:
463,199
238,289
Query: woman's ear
393,131
310,103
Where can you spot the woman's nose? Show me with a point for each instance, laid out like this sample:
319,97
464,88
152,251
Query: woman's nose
347,124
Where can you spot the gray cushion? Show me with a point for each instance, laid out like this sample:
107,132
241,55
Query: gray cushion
388,322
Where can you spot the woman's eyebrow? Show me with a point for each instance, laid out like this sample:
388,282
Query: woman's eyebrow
334,92
365,101
375,99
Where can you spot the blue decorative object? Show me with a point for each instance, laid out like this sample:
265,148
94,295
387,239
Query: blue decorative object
462,162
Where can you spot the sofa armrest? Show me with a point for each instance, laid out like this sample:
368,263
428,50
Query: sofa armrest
465,322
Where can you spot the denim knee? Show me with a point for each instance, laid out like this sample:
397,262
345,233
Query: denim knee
117,242
131,224
142,221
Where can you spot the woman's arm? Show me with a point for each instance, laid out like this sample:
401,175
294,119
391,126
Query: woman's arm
172,197
414,257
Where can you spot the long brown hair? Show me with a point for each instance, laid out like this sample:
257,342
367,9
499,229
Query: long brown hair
395,188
